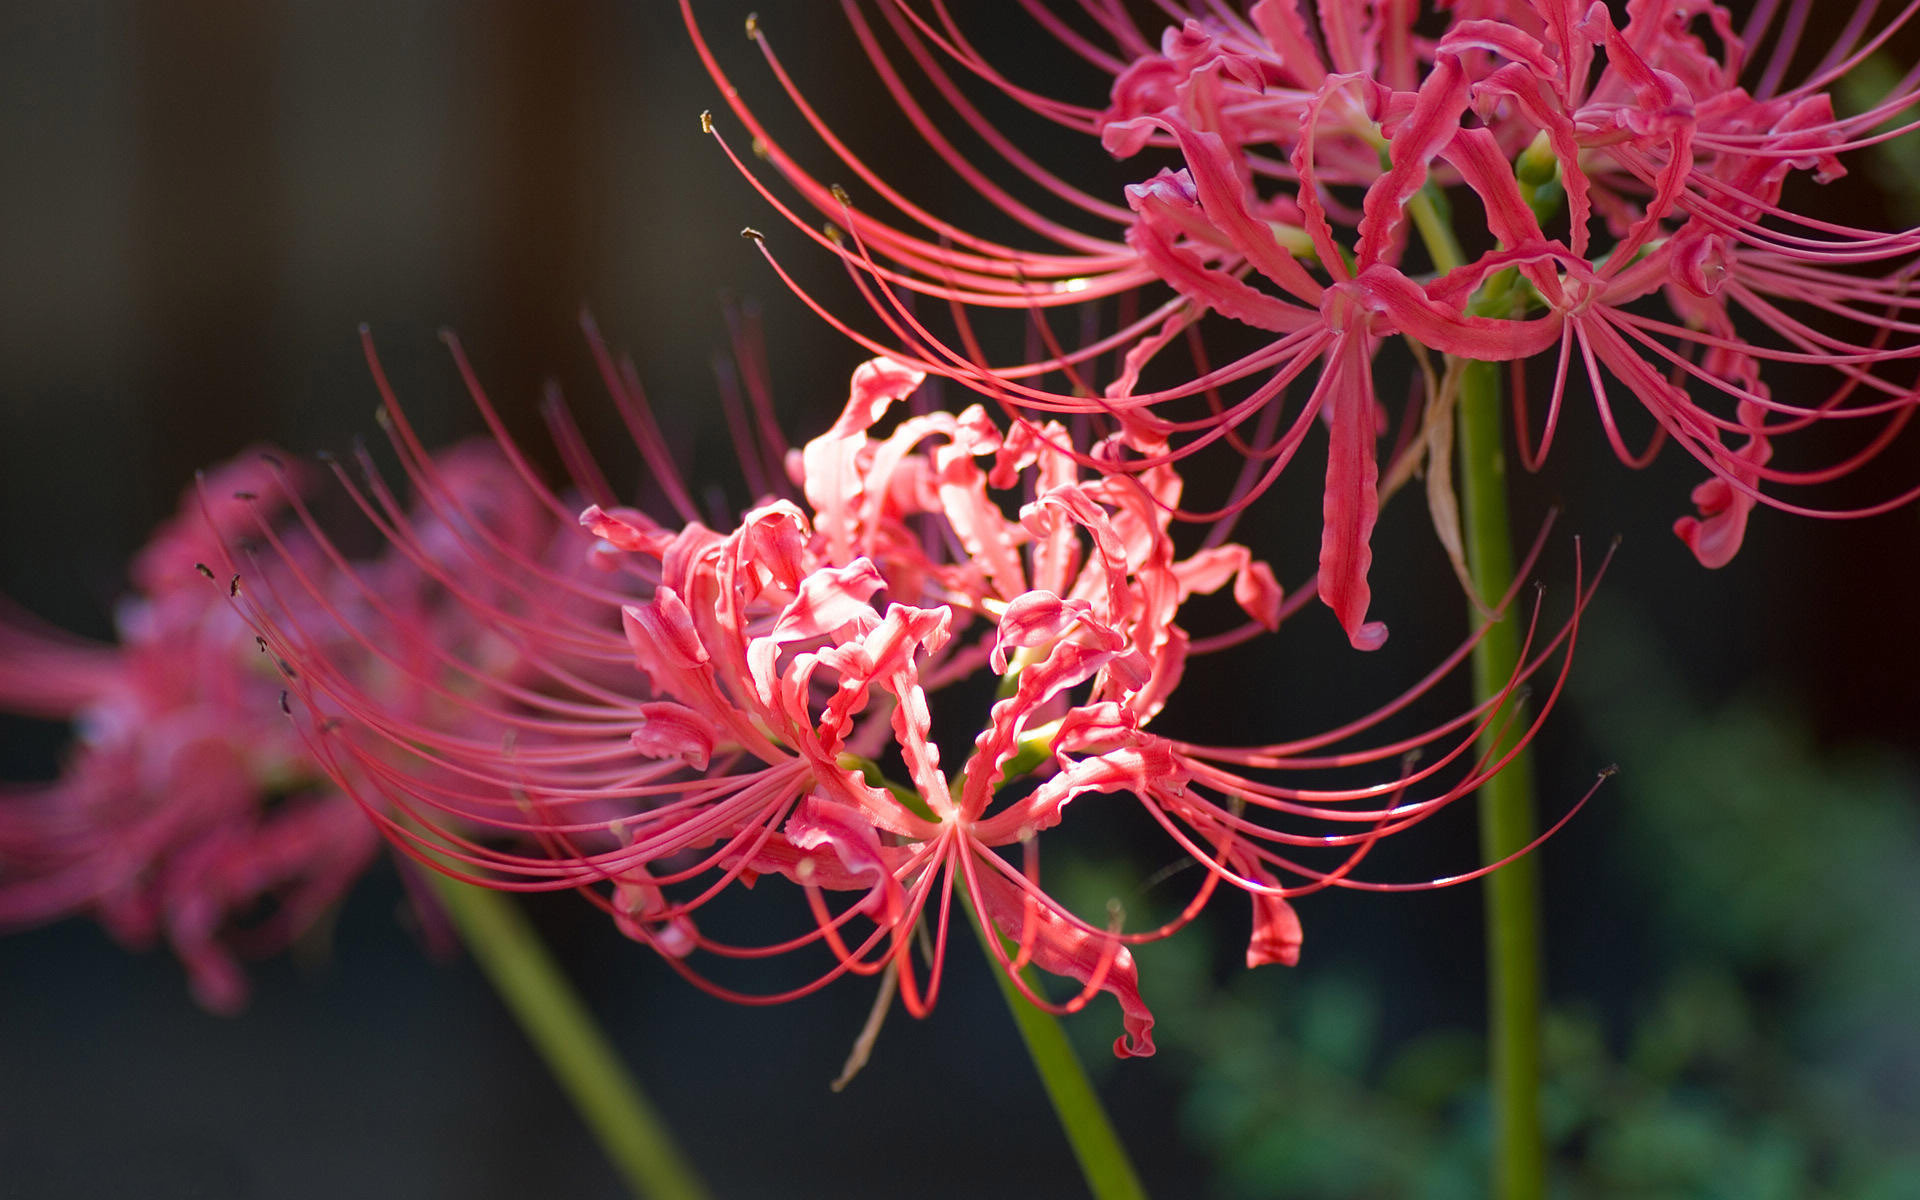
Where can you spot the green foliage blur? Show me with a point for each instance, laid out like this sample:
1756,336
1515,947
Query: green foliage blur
1769,1048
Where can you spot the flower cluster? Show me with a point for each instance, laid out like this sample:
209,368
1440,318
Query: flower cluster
541,689
704,708
1622,189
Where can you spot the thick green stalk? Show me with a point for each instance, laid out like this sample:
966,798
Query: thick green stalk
1103,1160
1506,806
1506,801
581,1058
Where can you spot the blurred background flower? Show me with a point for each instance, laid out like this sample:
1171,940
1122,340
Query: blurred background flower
201,202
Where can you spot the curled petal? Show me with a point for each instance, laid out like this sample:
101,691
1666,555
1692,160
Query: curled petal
638,905
1715,534
1276,927
774,539
1154,236
627,529
1218,188
1093,727
665,645
1062,948
1432,123
1255,589
669,730
877,383
843,852
1258,594
1035,619
885,654
1069,664
663,632
829,598
830,472
1144,765
1276,932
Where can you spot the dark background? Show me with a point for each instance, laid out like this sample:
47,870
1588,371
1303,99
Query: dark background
201,201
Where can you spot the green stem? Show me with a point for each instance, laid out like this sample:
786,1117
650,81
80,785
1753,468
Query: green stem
1103,1160
1506,806
1425,212
1506,801
582,1060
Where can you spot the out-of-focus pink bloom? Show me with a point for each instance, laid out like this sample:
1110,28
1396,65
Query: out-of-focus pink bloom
190,809
1601,170
785,663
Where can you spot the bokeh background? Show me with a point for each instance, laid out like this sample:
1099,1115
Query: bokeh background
201,201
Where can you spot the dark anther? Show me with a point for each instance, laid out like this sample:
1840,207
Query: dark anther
286,705
233,587
204,569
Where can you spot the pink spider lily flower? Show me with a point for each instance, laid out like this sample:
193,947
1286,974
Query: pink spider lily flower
187,805
1613,163
785,663
1684,170
190,810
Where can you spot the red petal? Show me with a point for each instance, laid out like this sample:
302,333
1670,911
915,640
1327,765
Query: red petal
1352,503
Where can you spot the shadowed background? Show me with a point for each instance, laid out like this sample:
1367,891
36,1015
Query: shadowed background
200,203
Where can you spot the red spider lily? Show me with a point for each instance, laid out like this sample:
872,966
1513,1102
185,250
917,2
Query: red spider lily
187,802
190,810
776,682
1671,172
